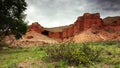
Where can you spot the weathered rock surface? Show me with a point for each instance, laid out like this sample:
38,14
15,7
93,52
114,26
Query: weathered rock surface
82,23
36,27
87,28
92,20
106,32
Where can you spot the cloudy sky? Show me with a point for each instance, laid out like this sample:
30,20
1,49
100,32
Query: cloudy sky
53,13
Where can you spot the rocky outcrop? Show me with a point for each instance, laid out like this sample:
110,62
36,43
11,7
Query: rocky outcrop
82,24
36,27
87,28
92,20
100,31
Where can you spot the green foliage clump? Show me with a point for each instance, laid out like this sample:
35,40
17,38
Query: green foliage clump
11,18
11,57
73,53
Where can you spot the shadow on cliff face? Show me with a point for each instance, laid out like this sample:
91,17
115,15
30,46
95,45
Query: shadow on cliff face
45,32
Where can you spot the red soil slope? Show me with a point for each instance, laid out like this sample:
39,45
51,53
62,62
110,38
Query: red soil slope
33,38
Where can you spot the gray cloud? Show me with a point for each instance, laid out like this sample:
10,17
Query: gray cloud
109,5
51,13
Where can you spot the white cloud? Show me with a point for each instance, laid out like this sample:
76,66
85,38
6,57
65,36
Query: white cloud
52,13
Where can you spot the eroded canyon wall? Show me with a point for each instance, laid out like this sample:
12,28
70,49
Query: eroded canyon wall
82,23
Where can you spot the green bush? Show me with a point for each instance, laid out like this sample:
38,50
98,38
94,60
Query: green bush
73,53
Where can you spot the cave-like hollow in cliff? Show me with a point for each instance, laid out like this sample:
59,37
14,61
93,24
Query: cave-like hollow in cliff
45,32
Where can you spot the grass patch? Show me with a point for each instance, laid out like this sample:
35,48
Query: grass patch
11,57
70,53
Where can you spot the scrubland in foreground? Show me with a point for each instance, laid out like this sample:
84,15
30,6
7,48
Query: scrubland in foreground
66,55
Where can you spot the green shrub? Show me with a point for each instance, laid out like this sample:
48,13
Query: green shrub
62,64
109,42
51,66
73,53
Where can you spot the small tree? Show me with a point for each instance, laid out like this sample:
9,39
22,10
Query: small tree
11,18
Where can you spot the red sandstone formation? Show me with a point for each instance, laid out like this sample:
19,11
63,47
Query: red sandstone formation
92,20
87,28
36,27
83,23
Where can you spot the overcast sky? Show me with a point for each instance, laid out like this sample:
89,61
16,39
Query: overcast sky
52,13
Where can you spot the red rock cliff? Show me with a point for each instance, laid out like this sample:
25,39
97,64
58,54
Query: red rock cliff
82,23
